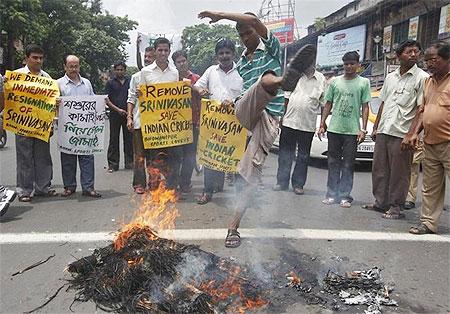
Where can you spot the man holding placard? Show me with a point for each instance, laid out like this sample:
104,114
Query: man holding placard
72,84
159,154
221,82
30,105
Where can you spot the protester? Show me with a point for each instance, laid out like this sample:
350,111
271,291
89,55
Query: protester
297,130
72,84
189,150
221,82
434,118
414,179
117,90
134,126
167,160
346,95
33,159
261,106
400,96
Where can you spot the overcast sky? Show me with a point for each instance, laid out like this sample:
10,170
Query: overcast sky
171,16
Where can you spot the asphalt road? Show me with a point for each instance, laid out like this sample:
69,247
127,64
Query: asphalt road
282,232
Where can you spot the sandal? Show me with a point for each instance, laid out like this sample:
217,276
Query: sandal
92,193
393,215
204,199
422,229
345,204
24,198
233,239
67,192
49,193
373,207
329,201
139,190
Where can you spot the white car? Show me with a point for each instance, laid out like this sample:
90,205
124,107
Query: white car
319,148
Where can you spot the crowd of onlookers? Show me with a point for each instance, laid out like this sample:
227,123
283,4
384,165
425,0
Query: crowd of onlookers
412,126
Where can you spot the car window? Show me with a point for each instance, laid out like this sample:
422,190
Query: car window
375,104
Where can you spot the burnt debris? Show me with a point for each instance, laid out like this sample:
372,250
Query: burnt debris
153,275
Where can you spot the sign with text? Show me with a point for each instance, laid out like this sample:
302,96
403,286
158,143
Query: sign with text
387,38
166,114
81,124
332,47
283,30
30,104
221,142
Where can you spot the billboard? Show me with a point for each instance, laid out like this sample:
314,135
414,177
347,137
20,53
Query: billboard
282,29
387,38
332,46
413,27
444,22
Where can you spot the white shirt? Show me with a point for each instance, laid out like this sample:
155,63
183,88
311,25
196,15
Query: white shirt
221,85
134,84
402,95
26,70
67,87
304,103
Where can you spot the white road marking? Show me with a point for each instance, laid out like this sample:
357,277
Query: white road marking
219,234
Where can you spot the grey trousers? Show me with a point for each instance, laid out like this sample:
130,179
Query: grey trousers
391,171
34,165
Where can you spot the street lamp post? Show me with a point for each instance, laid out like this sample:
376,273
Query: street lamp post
376,40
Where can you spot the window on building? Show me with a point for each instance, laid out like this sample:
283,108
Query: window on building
400,32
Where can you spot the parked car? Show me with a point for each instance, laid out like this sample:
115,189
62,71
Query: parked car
319,148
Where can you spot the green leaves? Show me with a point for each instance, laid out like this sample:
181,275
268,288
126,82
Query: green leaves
200,40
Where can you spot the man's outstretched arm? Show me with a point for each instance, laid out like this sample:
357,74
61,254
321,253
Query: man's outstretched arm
238,18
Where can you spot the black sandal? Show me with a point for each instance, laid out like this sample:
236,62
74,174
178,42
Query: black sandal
25,198
67,192
204,199
49,193
233,239
92,193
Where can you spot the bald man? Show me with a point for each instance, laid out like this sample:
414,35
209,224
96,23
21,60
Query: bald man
72,84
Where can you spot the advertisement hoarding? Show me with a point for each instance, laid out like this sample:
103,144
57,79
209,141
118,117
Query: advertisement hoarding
282,29
332,46
444,22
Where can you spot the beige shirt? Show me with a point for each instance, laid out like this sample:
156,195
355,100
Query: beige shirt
436,111
402,95
304,103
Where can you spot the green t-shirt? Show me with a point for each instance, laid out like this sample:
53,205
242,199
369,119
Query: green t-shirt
347,97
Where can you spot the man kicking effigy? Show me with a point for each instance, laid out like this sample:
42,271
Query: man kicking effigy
261,105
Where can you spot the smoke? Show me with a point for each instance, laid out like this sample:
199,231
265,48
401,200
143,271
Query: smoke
189,271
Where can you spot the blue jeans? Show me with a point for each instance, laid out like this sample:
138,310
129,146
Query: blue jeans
213,180
341,160
69,171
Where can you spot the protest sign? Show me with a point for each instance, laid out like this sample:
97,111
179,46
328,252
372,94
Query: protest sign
81,124
30,104
166,114
221,142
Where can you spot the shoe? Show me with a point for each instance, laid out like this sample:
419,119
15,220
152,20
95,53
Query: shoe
9,195
409,205
299,191
302,60
204,199
279,187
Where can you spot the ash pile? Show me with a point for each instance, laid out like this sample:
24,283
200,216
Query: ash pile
149,274
336,291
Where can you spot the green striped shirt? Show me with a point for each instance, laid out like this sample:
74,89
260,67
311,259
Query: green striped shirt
266,57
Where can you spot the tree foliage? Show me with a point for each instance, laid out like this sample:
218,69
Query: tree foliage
200,40
65,27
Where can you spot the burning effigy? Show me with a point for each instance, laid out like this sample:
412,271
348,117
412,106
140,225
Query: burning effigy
142,272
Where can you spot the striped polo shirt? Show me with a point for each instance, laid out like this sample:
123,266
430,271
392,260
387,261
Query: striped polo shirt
266,57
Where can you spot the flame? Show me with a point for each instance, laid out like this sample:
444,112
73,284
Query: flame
157,212
231,288
135,261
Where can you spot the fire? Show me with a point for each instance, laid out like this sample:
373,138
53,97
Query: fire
231,288
157,212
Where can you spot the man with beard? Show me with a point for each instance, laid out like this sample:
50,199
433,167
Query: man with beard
401,95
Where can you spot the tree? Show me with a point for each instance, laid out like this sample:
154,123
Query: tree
199,42
319,23
65,27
